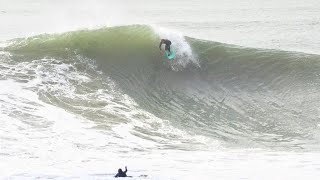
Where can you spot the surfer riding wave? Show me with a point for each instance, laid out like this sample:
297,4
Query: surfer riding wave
167,47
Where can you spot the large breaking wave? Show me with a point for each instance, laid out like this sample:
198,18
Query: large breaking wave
238,96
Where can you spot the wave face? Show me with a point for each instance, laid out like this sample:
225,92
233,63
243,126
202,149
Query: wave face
240,97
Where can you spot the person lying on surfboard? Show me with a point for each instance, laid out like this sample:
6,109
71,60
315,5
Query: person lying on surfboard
121,173
167,47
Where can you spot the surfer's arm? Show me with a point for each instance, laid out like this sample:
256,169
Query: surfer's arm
126,170
160,45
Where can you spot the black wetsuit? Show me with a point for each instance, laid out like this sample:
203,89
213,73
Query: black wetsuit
121,173
167,43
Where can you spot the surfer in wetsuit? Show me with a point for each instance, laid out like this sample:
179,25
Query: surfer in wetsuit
167,43
121,173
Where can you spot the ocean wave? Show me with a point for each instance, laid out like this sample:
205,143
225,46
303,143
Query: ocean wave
235,94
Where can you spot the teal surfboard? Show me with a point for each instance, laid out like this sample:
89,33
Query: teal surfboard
172,54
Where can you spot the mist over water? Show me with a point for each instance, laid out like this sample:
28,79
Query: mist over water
89,92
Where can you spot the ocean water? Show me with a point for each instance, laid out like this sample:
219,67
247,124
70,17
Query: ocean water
85,90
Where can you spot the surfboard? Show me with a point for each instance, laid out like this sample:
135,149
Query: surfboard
172,54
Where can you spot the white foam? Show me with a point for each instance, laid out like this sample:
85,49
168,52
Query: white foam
50,76
38,136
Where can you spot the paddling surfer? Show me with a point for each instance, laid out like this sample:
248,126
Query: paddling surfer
121,173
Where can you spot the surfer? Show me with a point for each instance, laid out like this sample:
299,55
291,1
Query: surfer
121,173
167,43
